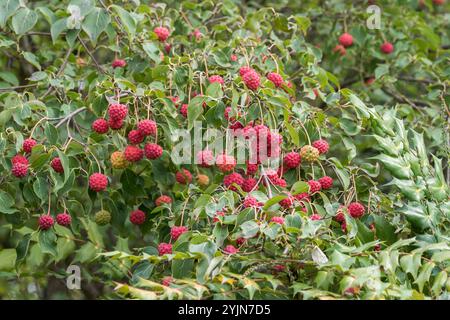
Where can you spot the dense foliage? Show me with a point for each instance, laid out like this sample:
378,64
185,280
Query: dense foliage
95,97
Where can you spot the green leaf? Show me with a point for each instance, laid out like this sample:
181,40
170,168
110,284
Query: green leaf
31,58
47,242
129,23
7,9
24,20
249,229
57,28
95,23
6,203
7,259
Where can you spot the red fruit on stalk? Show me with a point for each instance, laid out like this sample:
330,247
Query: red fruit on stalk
115,124
314,186
346,40
147,127
153,151
133,153
230,249
184,110
315,217
46,221
135,137
275,78
287,202
340,49
244,70
321,145
233,179
251,202
249,184
387,47
225,163
292,160
278,220
18,158
164,248
19,170
176,232
137,217
251,79
57,165
163,200
216,78
205,158
183,176
28,145
119,63
326,182
117,111
162,33
252,168
98,182
100,126
63,219
356,210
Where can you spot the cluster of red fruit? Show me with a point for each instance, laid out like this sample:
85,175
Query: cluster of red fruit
346,40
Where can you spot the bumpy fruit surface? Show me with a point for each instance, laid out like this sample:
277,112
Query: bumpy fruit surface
118,160
18,158
278,220
225,163
100,126
275,78
292,160
230,181
251,202
28,145
217,79
183,176
133,153
346,40
315,217
162,33
147,127
202,180
321,145
98,182
137,217
302,197
249,184
176,232
252,168
166,281
230,249
205,158
244,70
57,165
184,110
117,111
356,210
163,200
19,170
287,202
102,217
314,186
153,151
135,137
164,248
63,219
326,182
387,47
309,153
340,49
115,124
118,63
46,221
251,79
217,215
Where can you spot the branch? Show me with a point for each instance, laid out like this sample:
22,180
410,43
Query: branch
70,116
91,55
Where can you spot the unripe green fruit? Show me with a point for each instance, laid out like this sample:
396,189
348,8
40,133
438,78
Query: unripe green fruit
309,153
102,217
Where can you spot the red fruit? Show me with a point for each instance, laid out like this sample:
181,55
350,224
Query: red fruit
251,169
326,182
251,202
176,232
321,145
230,249
287,202
57,165
249,184
356,210
346,40
279,220
183,176
387,48
117,111
162,33
100,126
168,47
163,200
244,70
233,57
217,79
218,214
18,158
63,219
166,281
369,81
46,222
315,216
230,180
340,217
135,137
314,186
147,127
205,158
438,2
225,163
184,110
292,160
280,182
98,182
251,79
153,151
133,153
115,124
275,78
302,197
240,241
137,217
19,170
28,145
340,49
164,248
197,34
119,63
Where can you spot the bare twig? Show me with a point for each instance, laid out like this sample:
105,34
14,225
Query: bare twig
91,55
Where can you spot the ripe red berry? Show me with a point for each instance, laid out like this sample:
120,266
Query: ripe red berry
168,47
251,79
216,78
217,215
147,127
346,40
340,49
275,78
315,217
162,33
251,202
326,182
57,165
252,168
28,145
117,111
314,186
119,63
278,220
340,216
153,151
249,184
137,217
184,110
19,170
46,222
302,197
183,176
164,248
233,179
292,160
205,158
98,182
230,249
100,126
176,232
163,200
18,158
287,202
244,70
63,219
133,153
225,163
438,2
321,145
166,281
135,137
115,124
233,57
356,210
387,47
